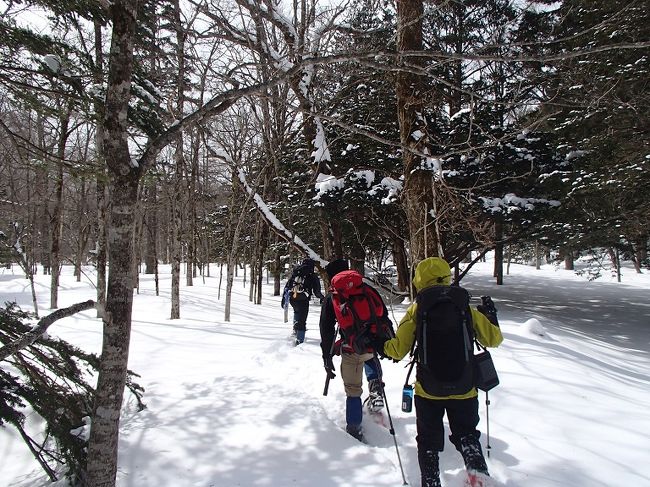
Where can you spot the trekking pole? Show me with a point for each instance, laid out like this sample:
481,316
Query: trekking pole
487,420
390,419
329,377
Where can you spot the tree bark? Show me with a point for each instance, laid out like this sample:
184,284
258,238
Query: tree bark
417,195
57,216
102,196
84,231
401,264
498,252
150,229
102,447
175,241
568,259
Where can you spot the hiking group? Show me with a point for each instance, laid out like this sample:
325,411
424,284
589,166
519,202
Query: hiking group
439,331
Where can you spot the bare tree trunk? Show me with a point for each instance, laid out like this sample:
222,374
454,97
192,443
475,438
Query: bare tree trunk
417,195
401,263
23,261
255,263
137,239
102,446
175,241
84,231
277,271
229,281
567,254
57,216
264,235
101,244
151,229
231,266
498,252
192,212
45,227
177,199
639,251
102,196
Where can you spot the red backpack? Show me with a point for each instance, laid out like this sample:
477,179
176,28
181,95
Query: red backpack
359,311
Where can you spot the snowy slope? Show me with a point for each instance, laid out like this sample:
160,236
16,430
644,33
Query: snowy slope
234,404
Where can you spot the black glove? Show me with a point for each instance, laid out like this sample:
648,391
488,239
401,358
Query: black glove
329,367
488,309
377,342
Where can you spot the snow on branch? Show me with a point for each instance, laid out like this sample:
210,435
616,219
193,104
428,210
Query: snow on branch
511,202
321,150
275,224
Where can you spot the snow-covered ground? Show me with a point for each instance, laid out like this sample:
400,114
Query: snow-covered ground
233,404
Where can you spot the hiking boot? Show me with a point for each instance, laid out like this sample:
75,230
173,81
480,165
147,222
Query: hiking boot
470,449
375,397
355,431
300,336
429,468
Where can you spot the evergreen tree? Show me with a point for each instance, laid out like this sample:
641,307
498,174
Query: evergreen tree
599,98
491,157
360,105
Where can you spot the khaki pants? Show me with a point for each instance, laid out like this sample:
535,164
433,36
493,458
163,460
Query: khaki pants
352,372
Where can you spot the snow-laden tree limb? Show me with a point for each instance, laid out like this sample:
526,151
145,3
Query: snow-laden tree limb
275,224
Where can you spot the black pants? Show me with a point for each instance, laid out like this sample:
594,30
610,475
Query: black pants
461,413
300,312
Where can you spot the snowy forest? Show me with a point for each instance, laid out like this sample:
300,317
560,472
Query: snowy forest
219,135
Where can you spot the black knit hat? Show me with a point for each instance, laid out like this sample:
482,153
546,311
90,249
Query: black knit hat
336,266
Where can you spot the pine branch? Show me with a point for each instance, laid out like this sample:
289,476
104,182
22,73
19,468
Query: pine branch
33,335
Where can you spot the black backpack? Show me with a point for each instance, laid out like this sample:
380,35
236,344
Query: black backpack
300,291
445,339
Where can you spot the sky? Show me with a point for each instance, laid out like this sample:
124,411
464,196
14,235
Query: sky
235,404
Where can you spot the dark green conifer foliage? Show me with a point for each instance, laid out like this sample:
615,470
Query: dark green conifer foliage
601,103
363,109
489,155
53,379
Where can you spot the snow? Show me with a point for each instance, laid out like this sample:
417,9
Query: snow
511,202
234,404
321,151
53,62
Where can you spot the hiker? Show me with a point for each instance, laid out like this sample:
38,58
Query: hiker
358,316
297,292
432,277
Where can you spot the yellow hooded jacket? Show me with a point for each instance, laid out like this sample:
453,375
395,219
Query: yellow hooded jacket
435,271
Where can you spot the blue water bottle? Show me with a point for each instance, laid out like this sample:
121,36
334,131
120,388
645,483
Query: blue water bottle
407,398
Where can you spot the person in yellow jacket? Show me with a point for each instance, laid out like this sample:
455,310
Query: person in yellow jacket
461,409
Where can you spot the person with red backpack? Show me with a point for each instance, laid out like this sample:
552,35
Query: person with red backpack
442,326
361,316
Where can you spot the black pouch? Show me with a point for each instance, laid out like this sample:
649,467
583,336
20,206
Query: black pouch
485,374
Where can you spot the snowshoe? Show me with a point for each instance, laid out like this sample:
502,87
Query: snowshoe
375,401
470,449
477,479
